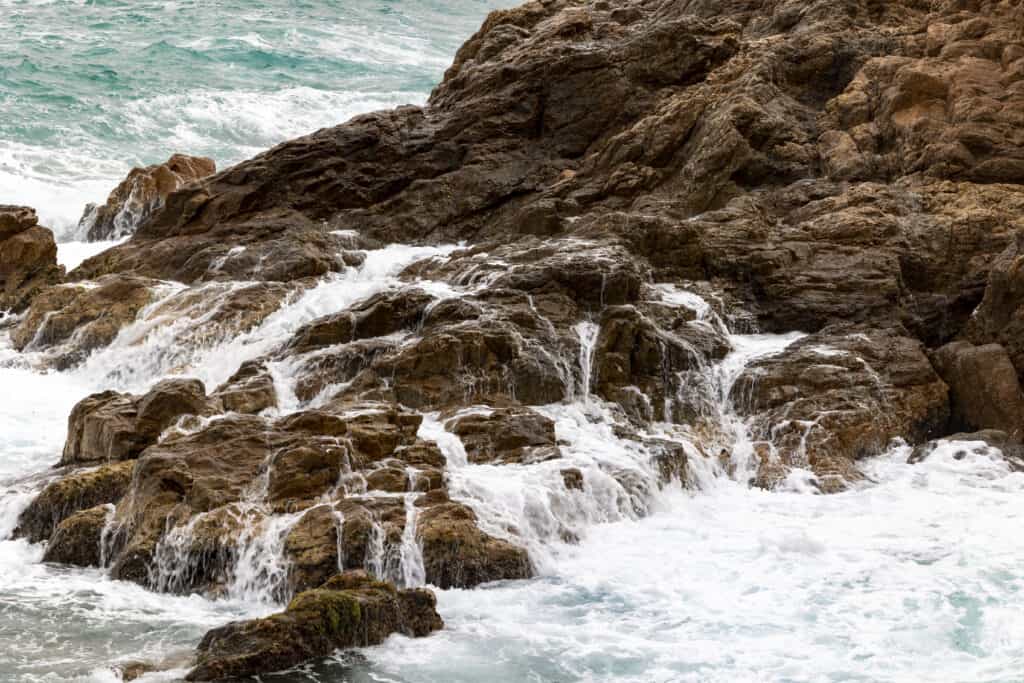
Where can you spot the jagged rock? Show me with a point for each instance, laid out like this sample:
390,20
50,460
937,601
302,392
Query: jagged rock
983,387
113,426
837,396
505,435
1000,316
646,368
250,390
77,540
139,195
28,258
71,494
350,610
75,319
457,553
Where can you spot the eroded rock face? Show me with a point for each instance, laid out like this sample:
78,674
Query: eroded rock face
139,195
351,610
837,396
111,426
28,258
984,391
71,494
847,169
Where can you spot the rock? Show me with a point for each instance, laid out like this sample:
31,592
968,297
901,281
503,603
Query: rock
837,396
993,443
73,320
983,388
139,195
457,553
351,610
71,494
28,258
505,435
1000,316
112,426
77,540
250,390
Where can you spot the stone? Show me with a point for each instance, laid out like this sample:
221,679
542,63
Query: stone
77,540
28,258
140,195
73,493
983,388
351,610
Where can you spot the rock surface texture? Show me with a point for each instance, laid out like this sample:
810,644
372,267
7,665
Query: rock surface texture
139,195
635,188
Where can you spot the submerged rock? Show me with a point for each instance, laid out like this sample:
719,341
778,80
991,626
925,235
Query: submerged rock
350,610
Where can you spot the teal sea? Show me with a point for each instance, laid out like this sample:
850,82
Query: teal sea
90,88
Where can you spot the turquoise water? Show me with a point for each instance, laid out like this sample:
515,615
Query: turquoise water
90,88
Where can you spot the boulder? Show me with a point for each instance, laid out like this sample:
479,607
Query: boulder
351,610
984,390
505,435
78,539
71,494
140,195
837,396
113,426
28,258
457,553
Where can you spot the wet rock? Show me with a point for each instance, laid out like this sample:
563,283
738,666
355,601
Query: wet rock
837,396
73,320
28,258
77,540
139,195
505,435
113,426
351,610
71,494
457,553
250,390
990,442
1000,316
983,388
646,368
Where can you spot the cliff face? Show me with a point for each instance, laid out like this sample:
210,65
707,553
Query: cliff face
849,169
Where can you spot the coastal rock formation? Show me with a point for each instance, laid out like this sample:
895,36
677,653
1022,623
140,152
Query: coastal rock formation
28,258
582,229
837,396
350,610
139,195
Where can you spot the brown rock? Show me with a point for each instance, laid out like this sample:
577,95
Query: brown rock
506,435
77,539
28,258
348,611
983,388
139,195
71,494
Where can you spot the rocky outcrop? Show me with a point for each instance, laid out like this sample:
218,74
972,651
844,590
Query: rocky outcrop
78,540
351,610
631,186
984,390
139,195
111,426
71,494
28,258
837,396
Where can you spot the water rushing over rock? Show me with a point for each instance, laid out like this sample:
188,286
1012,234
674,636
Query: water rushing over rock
646,327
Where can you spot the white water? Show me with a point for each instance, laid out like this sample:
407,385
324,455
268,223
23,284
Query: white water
914,577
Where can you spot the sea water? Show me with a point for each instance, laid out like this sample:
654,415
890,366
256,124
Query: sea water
915,574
